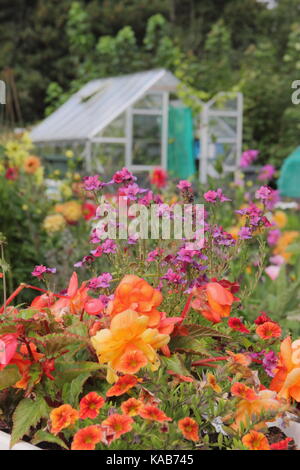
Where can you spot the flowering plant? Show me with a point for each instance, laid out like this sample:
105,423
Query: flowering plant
156,350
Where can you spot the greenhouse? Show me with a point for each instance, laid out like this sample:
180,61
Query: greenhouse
138,121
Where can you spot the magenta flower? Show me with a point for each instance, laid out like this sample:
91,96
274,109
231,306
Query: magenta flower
123,176
92,183
273,236
245,233
103,281
248,157
183,185
215,196
40,270
85,260
266,173
109,246
173,278
152,255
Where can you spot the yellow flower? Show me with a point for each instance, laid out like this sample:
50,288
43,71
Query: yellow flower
280,219
284,241
25,207
234,232
65,190
69,154
71,210
54,223
128,332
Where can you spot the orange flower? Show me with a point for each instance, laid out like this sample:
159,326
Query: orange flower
128,332
242,391
180,378
90,405
136,294
256,441
62,417
153,413
287,377
118,424
212,382
87,438
32,163
268,330
131,407
249,407
189,429
239,358
213,301
123,384
132,361
24,361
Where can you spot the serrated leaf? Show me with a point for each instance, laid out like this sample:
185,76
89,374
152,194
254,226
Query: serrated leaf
9,376
71,391
175,363
198,331
44,436
68,371
188,345
56,342
27,414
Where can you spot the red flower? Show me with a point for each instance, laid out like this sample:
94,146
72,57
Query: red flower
89,210
238,325
262,318
122,386
281,445
8,346
90,405
11,174
159,177
118,424
87,438
268,330
189,429
153,413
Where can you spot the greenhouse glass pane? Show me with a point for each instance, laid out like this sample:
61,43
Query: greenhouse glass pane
115,129
146,140
149,101
107,158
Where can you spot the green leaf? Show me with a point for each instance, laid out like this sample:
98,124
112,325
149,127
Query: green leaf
57,342
189,345
71,391
44,436
175,363
199,331
68,371
27,414
9,376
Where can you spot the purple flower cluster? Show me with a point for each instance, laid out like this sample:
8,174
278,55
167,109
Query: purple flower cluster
40,270
103,281
248,158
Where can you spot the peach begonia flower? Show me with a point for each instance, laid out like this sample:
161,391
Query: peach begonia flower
265,400
77,300
213,301
128,332
287,375
134,293
255,441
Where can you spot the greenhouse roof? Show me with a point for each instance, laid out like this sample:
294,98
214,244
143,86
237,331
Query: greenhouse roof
98,103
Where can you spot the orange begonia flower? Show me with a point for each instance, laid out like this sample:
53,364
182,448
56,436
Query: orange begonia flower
128,332
268,330
123,384
131,407
287,375
62,417
248,408
255,441
189,429
136,294
213,301
87,438
23,361
90,405
118,424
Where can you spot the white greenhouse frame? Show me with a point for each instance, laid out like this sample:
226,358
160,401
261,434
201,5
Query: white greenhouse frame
90,111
